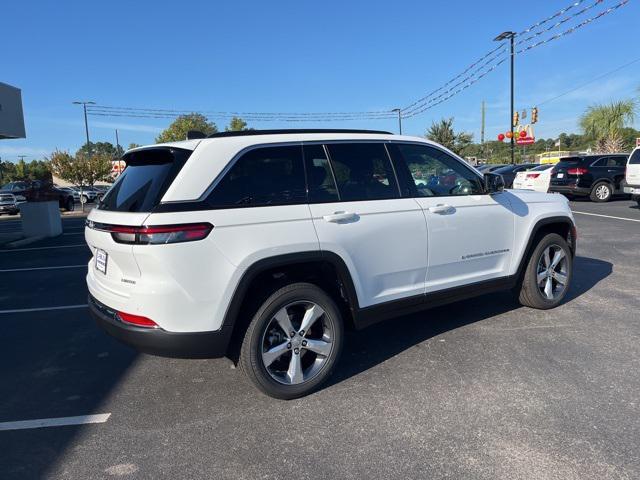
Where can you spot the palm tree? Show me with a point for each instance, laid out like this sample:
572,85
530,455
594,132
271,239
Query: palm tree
442,133
602,124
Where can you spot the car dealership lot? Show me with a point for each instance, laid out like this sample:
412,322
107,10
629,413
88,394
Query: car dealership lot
479,389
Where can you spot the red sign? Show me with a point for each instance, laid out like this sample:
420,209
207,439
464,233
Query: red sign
525,140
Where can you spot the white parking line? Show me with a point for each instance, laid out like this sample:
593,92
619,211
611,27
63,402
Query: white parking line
43,309
607,216
42,248
41,268
55,422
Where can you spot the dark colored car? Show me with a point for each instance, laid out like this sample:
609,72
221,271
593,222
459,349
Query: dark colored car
40,191
490,167
509,172
599,177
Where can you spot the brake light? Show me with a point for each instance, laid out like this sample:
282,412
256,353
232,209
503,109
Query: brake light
577,171
533,175
137,320
155,235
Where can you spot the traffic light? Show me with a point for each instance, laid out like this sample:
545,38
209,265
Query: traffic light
516,119
534,114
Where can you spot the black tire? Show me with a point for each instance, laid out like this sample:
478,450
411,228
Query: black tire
69,205
596,192
253,343
530,294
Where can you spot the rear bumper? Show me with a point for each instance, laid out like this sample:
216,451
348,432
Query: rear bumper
157,341
570,188
632,189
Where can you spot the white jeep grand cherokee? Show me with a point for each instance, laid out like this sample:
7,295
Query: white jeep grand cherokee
264,245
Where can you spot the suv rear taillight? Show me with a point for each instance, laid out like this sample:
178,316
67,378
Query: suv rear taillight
533,175
155,235
577,171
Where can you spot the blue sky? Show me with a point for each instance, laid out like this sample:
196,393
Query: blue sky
297,57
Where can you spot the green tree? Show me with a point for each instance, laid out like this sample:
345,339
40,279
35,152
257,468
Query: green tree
236,125
181,125
7,172
604,124
83,169
22,171
101,148
133,145
442,132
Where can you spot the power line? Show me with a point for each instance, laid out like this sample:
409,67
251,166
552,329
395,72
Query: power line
429,104
590,81
472,74
575,27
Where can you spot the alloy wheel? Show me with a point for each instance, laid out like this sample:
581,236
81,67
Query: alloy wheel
552,272
603,192
297,343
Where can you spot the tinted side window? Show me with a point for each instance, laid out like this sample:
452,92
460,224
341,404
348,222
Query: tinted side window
635,157
263,176
322,186
616,162
433,173
363,171
601,162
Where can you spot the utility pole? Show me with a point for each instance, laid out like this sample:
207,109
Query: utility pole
22,157
482,132
86,124
399,119
511,36
118,153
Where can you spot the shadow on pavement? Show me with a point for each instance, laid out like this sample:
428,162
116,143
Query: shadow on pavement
58,364
371,346
52,364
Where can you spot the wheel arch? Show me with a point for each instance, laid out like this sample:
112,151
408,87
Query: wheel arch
562,225
323,268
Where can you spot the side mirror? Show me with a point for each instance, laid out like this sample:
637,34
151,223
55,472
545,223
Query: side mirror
493,183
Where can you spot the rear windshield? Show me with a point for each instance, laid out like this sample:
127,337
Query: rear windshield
635,157
144,181
568,162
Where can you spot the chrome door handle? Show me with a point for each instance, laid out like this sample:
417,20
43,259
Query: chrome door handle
337,217
442,209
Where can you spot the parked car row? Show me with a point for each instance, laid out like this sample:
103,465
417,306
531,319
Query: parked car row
599,176
13,193
39,190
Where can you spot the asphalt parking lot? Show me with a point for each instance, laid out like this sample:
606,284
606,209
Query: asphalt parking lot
481,389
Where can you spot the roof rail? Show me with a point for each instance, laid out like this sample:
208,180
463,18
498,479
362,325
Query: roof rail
294,130
195,134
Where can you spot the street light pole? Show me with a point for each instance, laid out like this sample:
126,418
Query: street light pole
86,124
511,36
399,119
